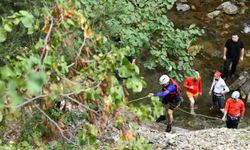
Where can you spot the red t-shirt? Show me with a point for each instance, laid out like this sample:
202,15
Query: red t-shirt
235,109
197,85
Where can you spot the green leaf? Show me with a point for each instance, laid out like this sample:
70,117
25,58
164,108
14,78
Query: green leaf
3,34
8,27
28,21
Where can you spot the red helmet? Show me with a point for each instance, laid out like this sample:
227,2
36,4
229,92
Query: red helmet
217,74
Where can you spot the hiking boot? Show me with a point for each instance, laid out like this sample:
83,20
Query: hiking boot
192,112
169,127
161,118
211,108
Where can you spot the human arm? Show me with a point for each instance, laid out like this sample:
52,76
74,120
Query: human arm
170,88
225,89
225,110
200,85
242,112
242,54
225,53
211,88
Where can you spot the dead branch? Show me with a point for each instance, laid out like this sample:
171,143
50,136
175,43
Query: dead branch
58,127
45,48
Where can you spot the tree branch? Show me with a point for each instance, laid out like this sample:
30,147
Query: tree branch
74,100
58,127
30,100
45,50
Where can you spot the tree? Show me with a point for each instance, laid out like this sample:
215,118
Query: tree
78,53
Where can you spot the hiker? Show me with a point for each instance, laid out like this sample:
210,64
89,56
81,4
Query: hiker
170,97
218,90
193,87
234,110
233,52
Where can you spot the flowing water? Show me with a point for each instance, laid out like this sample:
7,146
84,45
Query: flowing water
217,31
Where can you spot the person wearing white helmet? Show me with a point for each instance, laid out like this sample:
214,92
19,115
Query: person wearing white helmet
234,110
170,97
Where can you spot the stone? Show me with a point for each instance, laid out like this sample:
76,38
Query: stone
246,28
229,8
244,76
213,14
182,7
248,53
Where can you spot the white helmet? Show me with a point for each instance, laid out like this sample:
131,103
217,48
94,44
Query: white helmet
235,95
164,79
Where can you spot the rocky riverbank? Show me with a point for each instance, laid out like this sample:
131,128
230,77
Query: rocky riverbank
209,139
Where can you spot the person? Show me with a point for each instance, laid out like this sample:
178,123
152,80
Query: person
193,87
233,52
218,90
234,110
170,97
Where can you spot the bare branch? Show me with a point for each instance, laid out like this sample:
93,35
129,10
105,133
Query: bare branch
74,100
79,51
58,127
30,100
45,50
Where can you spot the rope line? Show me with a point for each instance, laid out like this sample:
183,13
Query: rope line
182,110
134,100
199,115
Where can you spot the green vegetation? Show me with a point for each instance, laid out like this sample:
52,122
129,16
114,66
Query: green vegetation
72,52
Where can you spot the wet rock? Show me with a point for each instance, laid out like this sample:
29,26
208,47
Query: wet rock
229,8
243,77
248,53
182,7
246,28
214,14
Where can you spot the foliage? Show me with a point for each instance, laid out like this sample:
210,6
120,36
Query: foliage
78,54
146,33
149,112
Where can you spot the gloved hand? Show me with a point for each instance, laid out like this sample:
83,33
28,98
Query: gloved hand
150,94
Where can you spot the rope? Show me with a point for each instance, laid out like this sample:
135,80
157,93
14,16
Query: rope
200,115
182,110
134,100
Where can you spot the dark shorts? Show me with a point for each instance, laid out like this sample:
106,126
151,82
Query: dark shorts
232,122
172,103
219,101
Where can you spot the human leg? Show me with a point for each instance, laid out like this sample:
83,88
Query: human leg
221,103
170,120
234,65
227,63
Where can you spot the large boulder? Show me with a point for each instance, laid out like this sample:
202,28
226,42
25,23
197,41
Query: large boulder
229,8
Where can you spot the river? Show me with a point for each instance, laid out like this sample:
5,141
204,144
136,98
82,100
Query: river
208,60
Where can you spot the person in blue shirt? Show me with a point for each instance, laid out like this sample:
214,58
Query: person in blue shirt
170,97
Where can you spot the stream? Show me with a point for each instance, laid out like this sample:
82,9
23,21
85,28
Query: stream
208,60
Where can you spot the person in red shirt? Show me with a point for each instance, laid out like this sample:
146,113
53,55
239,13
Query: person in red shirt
234,110
193,87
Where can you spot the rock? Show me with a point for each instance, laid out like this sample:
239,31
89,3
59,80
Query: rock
248,53
246,28
195,49
229,8
244,76
182,7
213,14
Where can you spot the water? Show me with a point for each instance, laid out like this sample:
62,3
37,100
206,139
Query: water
207,61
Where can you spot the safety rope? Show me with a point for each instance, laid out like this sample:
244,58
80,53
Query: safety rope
199,115
182,110
134,100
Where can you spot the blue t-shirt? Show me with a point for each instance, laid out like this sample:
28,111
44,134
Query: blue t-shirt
170,88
